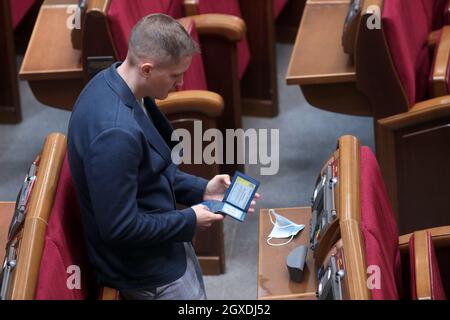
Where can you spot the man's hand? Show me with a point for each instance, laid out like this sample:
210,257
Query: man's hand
205,218
217,186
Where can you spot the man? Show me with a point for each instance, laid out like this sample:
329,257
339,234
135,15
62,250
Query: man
120,159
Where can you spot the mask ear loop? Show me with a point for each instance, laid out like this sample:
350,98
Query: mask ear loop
271,211
278,244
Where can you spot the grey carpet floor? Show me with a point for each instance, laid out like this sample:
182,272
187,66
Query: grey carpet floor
307,138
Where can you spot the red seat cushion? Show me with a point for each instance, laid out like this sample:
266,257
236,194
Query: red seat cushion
194,78
230,7
407,24
65,247
278,6
173,8
379,229
19,8
437,288
122,17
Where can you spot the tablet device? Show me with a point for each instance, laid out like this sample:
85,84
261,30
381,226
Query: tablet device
237,198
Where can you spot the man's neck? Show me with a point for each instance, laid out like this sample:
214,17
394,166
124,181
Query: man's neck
127,75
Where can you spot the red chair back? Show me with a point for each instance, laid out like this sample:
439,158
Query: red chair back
19,8
64,269
379,229
407,24
230,7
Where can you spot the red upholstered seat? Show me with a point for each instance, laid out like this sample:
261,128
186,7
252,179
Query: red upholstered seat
230,7
64,247
407,24
278,6
19,9
174,8
194,78
122,17
379,229
434,276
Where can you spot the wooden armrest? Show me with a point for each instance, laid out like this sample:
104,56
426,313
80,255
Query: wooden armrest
421,112
92,6
439,72
107,293
440,235
191,7
231,27
35,226
206,102
422,265
101,6
433,38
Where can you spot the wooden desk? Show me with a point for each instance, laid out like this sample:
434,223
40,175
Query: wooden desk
273,276
6,213
51,65
318,64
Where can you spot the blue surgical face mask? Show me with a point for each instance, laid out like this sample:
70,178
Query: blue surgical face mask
282,228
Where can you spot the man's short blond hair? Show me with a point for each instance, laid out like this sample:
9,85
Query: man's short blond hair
161,38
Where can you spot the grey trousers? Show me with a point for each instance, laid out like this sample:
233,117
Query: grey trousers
189,287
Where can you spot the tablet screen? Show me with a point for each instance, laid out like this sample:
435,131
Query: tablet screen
241,193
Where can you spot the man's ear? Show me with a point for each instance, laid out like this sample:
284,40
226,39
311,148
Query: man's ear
146,69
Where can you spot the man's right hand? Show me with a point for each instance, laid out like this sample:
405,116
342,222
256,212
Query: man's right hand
205,218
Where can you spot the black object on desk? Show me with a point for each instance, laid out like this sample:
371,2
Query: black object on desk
295,262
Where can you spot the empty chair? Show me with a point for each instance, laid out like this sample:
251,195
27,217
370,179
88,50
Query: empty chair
386,270
406,82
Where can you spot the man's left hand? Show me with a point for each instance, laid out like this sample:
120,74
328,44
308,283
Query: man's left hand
217,186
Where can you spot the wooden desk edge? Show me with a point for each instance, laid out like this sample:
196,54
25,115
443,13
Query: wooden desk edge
296,296
323,79
305,79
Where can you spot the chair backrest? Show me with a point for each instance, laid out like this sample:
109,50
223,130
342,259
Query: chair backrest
64,272
230,7
348,252
426,282
407,24
379,229
367,229
52,263
19,8
122,17
31,238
